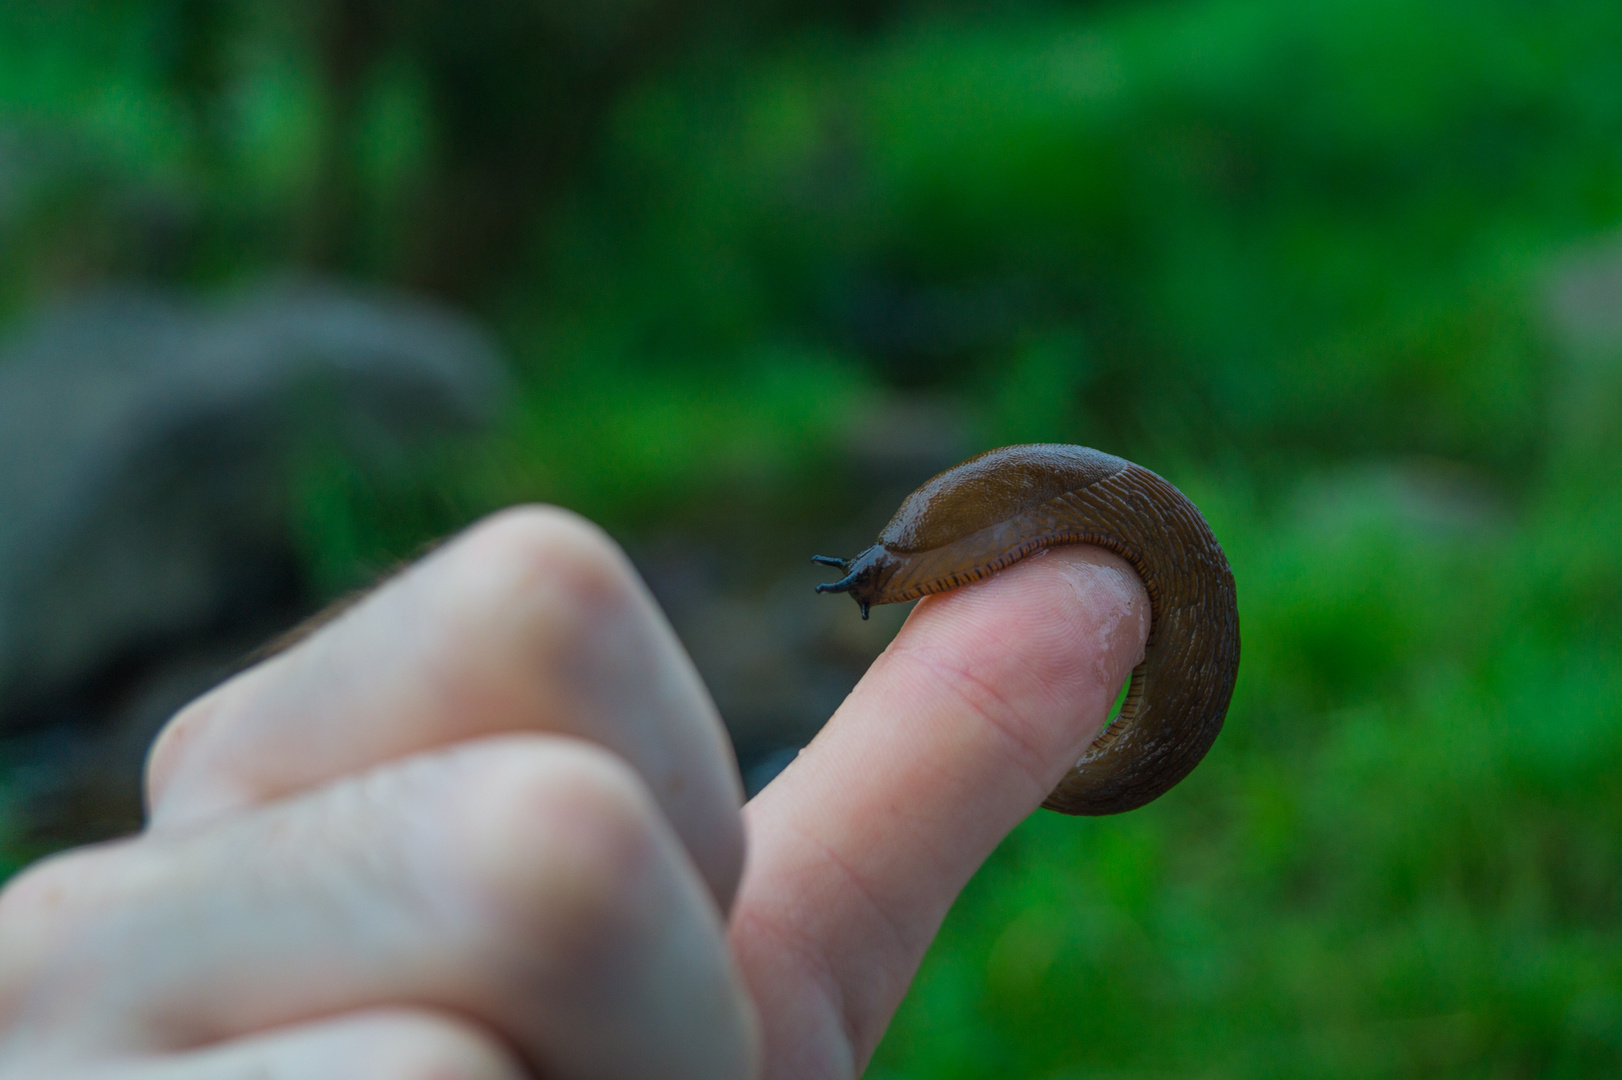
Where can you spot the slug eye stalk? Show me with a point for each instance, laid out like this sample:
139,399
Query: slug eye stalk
851,580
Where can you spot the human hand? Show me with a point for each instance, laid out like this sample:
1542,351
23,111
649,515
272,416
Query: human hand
486,825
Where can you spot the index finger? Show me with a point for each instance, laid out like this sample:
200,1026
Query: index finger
961,729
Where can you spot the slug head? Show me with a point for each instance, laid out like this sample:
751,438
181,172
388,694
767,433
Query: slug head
864,575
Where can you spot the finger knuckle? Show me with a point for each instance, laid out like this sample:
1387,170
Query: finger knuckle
553,551
563,841
42,893
43,911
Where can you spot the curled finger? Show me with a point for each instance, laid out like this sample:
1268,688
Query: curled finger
531,621
529,882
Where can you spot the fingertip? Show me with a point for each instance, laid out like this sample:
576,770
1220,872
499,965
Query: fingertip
1075,618
1039,651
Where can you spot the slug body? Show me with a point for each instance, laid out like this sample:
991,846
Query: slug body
991,511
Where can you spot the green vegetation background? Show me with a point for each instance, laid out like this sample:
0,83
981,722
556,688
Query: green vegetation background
1293,254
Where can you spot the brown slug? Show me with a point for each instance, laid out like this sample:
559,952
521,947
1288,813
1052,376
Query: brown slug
989,512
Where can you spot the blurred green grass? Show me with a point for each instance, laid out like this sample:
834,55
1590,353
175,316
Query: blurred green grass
1291,255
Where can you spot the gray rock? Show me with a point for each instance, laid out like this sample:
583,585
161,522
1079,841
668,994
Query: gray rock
145,445
1583,301
1582,307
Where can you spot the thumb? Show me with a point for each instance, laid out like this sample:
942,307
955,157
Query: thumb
984,700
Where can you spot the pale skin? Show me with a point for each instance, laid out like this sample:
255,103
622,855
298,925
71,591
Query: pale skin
487,826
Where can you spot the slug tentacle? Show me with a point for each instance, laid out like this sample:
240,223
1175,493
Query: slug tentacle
989,512
854,582
864,578
844,584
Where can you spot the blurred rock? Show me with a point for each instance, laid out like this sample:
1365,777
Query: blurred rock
1422,495
1583,300
145,450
